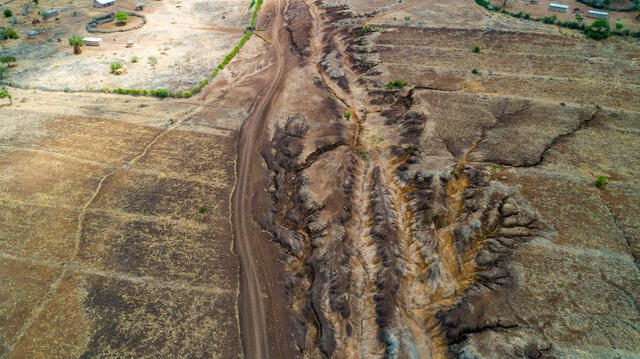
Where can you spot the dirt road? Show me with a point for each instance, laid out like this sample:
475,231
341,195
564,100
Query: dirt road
254,313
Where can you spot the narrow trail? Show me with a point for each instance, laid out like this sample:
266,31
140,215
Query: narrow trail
253,311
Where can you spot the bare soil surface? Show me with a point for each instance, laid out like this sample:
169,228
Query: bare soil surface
348,187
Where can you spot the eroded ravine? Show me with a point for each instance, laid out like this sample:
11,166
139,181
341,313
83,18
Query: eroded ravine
384,257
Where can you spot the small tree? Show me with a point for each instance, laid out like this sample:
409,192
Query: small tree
3,70
122,17
8,33
77,43
599,30
7,60
7,13
4,93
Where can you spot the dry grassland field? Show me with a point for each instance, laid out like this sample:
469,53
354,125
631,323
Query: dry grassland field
360,179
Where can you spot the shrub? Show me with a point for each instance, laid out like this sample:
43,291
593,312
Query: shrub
7,13
203,209
365,29
8,33
152,60
347,115
3,70
66,89
619,26
115,67
550,19
4,93
161,93
396,84
134,59
601,181
476,49
475,72
599,30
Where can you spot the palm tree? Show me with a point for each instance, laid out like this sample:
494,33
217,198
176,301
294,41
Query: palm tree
5,94
77,43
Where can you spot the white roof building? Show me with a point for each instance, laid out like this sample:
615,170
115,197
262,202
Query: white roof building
598,14
558,7
92,41
103,3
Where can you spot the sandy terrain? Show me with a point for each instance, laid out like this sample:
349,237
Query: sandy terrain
188,40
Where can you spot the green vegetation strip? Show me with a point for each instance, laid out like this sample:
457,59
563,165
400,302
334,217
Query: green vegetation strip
162,93
599,30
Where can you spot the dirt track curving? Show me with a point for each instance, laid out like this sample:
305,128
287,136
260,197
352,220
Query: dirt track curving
253,312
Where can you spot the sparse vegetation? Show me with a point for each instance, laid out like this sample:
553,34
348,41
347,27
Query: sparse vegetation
364,155
77,43
203,209
115,67
396,84
134,59
3,70
347,115
162,93
550,19
476,49
601,181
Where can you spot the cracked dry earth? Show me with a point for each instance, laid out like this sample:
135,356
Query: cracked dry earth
453,217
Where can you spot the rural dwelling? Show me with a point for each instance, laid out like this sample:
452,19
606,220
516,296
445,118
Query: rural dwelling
598,14
92,41
103,3
51,13
558,7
